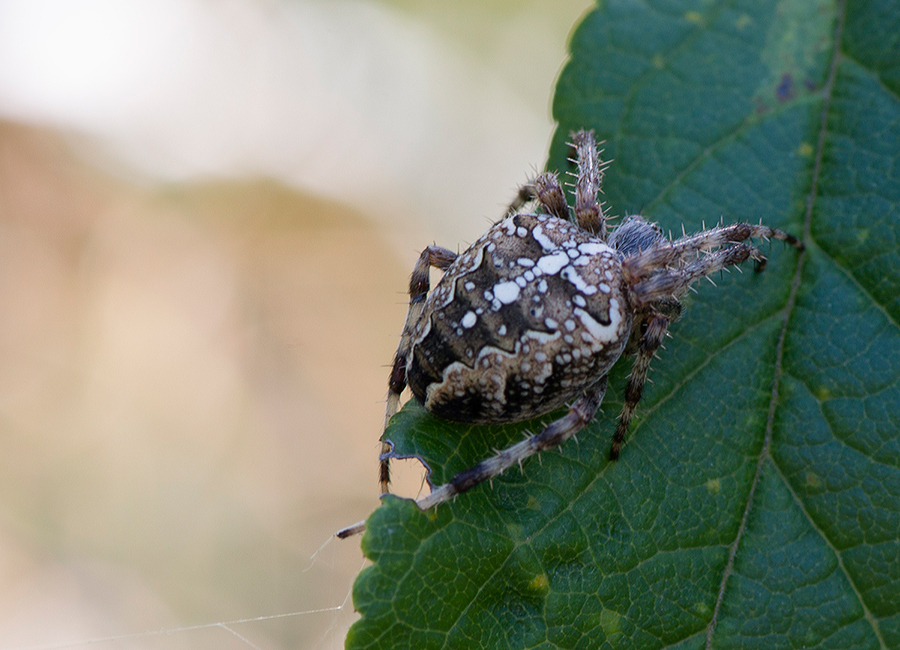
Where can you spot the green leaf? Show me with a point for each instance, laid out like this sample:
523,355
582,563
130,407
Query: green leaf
757,503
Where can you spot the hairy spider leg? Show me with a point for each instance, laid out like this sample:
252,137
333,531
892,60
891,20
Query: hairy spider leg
651,288
419,285
554,434
588,212
546,190
676,281
650,342
679,251
550,195
525,194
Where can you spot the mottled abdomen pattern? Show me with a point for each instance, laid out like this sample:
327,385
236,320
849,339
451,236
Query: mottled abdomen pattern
529,316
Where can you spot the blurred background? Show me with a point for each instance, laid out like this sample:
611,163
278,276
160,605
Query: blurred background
208,214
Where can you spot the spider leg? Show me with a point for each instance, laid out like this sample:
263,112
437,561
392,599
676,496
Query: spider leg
675,281
679,251
650,342
588,212
546,190
523,196
554,434
419,285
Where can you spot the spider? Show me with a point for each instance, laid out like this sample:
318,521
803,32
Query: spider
535,313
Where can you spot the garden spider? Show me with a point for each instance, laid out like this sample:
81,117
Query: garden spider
536,312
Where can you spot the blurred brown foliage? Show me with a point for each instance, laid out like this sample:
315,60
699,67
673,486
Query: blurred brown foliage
186,381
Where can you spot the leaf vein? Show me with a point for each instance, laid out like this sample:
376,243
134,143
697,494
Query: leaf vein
792,300
870,618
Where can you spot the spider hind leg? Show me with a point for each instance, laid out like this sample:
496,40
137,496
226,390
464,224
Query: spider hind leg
554,434
419,285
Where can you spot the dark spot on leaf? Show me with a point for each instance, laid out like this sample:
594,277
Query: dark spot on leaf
785,90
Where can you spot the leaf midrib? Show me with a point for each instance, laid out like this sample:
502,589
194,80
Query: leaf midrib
764,454
596,477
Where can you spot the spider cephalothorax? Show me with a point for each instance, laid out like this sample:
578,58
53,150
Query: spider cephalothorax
533,315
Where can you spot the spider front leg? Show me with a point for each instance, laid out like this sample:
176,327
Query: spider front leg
419,285
557,432
681,250
675,282
650,342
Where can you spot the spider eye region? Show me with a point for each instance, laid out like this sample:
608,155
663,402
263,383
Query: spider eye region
521,322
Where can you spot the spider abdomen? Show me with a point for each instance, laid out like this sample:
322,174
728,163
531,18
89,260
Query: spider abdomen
521,322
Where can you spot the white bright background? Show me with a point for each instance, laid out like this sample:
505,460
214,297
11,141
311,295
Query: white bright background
208,212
